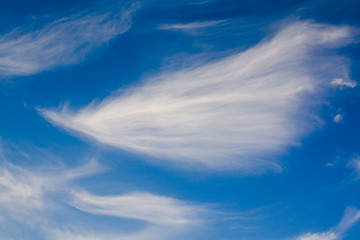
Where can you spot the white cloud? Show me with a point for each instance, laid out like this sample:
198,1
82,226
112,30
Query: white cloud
192,27
62,42
22,190
149,233
30,195
351,216
34,199
338,118
142,206
231,113
355,164
25,201
318,236
340,82
166,218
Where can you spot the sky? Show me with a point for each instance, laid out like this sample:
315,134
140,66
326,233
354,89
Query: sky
193,119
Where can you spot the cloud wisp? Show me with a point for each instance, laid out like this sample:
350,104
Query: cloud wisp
344,83
47,194
231,113
193,27
351,216
150,233
23,190
338,118
62,42
141,206
355,165
166,218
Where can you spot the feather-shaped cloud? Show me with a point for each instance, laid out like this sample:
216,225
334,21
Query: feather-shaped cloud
230,113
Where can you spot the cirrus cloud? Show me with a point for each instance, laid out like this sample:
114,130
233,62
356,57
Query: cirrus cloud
62,42
231,113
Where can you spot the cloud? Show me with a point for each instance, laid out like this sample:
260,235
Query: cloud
338,118
231,113
355,164
341,83
166,218
141,206
150,233
351,216
48,202
319,236
30,195
192,27
22,190
62,42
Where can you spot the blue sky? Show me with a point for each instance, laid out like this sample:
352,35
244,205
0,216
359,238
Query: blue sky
194,119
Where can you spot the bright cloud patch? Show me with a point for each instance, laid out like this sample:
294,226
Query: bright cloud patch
231,113
62,42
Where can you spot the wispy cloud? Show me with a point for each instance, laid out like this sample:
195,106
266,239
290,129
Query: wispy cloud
22,190
351,216
28,195
149,233
192,27
343,83
166,218
231,113
355,165
42,194
319,236
138,205
62,42
338,118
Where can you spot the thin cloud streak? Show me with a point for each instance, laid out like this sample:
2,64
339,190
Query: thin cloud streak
166,218
141,206
192,27
62,42
149,233
351,216
231,113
